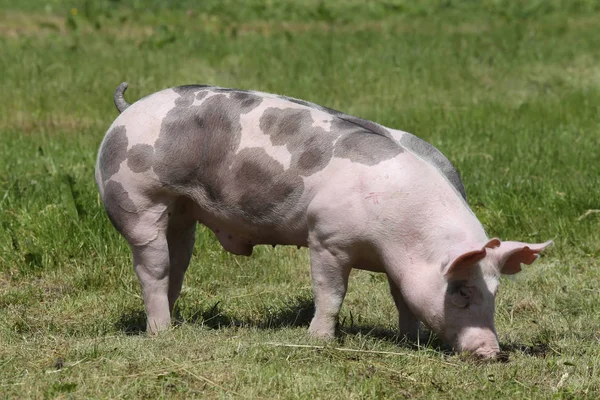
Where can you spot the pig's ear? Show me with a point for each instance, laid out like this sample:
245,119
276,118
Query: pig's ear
462,262
510,255
493,243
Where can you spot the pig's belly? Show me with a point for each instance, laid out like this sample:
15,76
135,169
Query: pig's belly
238,234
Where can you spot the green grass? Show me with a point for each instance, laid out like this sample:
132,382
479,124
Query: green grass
509,91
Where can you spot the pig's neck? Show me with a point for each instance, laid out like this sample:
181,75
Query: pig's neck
433,219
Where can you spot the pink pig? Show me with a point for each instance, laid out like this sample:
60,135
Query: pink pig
258,168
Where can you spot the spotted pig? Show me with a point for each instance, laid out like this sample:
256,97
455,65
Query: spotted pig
257,168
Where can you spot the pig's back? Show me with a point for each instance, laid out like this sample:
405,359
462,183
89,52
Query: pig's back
241,155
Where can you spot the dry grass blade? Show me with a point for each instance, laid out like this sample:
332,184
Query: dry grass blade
587,214
203,378
389,353
64,367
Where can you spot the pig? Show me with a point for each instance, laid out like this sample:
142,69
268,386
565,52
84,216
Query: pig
258,168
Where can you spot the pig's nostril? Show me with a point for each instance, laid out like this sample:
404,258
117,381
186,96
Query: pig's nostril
500,356
490,354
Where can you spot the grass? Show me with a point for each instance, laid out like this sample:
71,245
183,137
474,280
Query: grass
509,91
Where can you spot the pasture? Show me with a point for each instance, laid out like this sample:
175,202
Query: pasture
508,91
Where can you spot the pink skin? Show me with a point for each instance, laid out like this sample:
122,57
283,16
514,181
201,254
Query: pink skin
441,267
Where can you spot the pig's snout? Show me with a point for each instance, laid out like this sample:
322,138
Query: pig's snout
482,343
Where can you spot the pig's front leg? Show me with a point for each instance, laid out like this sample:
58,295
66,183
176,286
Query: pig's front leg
408,323
329,271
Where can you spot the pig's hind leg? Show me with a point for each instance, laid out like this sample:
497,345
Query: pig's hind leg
181,235
161,237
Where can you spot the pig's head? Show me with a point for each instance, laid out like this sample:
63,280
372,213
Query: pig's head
468,280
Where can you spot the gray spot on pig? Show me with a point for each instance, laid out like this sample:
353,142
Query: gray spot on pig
361,125
188,95
114,151
202,94
121,210
346,120
366,149
312,105
196,144
436,158
261,187
194,141
246,100
140,157
315,155
285,126
228,90
364,141
185,100
314,158
184,89
297,101
311,147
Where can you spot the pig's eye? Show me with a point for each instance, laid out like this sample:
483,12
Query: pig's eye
464,297
460,294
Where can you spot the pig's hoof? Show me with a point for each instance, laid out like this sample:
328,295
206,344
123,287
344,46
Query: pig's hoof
155,330
322,334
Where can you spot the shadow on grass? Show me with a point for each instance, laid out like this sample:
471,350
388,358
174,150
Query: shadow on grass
296,313
427,340
538,349
132,323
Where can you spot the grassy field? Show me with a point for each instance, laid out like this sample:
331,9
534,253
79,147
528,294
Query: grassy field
509,91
